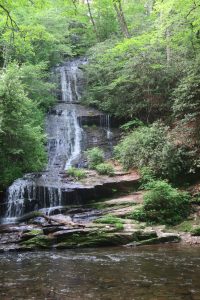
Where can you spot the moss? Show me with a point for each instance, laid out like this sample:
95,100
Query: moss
113,220
39,241
98,238
35,232
119,226
109,219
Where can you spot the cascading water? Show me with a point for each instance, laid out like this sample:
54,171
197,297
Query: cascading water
105,124
63,129
64,136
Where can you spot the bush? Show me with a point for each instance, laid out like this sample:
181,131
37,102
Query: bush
163,204
195,231
76,173
105,169
147,176
131,124
95,156
151,147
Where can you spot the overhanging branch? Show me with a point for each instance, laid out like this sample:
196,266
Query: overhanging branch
12,21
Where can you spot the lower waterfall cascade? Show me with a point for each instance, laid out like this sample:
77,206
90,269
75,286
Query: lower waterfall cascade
65,143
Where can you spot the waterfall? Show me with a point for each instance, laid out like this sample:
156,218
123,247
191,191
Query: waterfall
105,125
64,136
17,192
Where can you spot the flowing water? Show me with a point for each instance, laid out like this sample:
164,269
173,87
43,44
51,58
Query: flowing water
151,273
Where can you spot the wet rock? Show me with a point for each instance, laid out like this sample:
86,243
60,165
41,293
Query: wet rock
60,235
158,240
51,229
39,221
145,235
9,238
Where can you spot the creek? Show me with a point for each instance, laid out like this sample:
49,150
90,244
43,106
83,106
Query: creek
147,273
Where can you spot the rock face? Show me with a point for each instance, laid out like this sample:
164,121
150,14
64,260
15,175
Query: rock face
84,226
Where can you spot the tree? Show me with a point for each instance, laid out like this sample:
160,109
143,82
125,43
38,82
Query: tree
121,18
21,136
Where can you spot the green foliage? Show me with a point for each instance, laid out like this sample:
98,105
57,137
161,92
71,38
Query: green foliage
151,147
187,94
105,169
105,18
186,106
76,173
95,156
147,176
129,80
35,79
131,124
185,226
195,231
163,204
21,137
113,220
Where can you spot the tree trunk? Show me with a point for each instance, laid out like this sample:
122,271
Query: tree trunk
91,18
168,50
121,17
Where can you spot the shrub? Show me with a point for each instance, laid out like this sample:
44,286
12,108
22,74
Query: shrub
131,124
95,156
163,204
151,147
195,231
147,175
105,169
76,173
142,147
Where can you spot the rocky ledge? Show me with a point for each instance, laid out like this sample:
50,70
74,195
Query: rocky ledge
104,223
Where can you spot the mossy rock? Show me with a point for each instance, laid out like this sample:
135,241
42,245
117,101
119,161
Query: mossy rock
146,235
39,241
158,240
98,239
103,239
31,234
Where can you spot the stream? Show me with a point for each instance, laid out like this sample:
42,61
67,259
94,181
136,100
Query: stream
147,273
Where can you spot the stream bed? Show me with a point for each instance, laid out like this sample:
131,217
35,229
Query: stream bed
145,273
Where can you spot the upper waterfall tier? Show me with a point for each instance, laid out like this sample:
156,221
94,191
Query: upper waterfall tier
63,130
71,80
